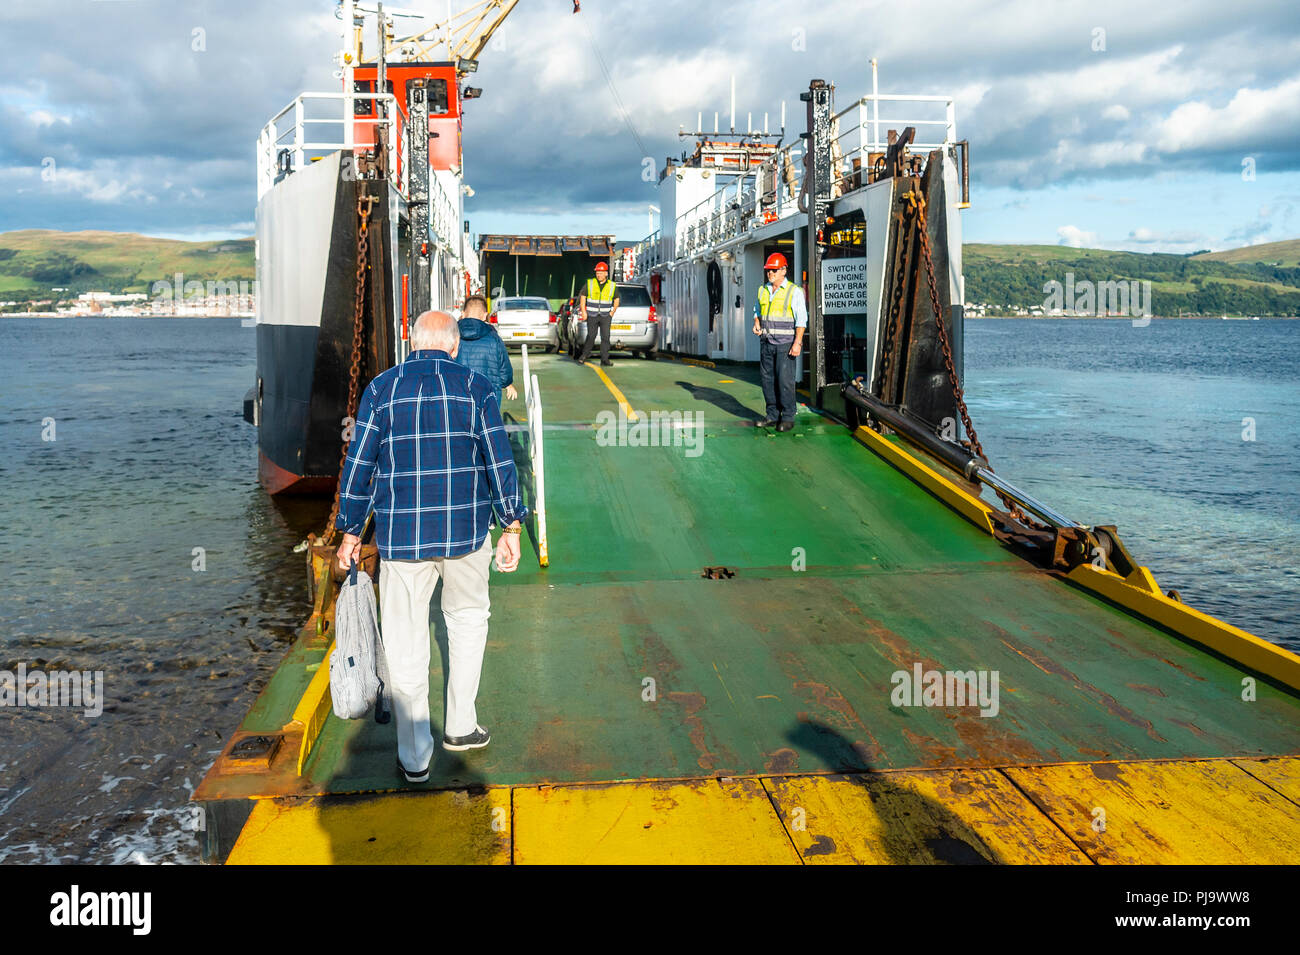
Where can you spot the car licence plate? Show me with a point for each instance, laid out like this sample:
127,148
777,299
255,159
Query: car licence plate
621,328
523,334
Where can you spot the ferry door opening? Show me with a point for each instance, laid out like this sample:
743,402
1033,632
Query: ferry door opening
736,307
715,307
726,334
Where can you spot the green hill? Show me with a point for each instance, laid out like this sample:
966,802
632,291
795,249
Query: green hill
35,261
1285,253
1014,276
1256,280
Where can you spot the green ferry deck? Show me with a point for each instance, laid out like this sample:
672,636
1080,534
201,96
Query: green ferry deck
645,709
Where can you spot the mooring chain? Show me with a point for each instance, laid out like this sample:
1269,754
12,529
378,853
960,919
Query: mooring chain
365,202
891,325
916,203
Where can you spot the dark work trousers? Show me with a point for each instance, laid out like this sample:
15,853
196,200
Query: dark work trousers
602,322
776,368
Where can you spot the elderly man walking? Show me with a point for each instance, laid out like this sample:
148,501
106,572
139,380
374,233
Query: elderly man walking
432,458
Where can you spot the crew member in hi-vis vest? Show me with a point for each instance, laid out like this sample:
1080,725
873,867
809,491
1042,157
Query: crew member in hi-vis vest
780,317
598,303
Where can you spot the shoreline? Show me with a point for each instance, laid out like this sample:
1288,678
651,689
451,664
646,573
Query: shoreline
241,316
1130,318
1036,318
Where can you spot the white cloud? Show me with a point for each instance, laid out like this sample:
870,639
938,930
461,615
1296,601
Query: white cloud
1250,116
1116,112
1144,236
1075,237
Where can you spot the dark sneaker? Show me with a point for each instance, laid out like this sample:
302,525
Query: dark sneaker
765,423
475,740
410,777
785,426
608,364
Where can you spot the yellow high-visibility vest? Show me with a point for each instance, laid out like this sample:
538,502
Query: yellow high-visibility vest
776,314
600,298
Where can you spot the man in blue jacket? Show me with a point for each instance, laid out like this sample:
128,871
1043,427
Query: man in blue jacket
482,350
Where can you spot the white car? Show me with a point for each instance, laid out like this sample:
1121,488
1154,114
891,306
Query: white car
524,320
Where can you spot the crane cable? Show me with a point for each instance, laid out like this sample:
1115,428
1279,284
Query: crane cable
609,80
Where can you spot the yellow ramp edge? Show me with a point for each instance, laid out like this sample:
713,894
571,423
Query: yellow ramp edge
917,818
1236,644
702,821
1245,810
1139,592
430,828
1207,812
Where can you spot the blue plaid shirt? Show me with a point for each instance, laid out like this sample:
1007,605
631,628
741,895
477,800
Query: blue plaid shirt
432,456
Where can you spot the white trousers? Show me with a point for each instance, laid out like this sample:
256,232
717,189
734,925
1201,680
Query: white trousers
405,590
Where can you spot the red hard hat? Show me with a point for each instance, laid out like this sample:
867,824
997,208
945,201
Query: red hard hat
775,261
601,265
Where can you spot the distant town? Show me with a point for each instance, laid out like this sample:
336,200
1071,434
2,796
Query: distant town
240,304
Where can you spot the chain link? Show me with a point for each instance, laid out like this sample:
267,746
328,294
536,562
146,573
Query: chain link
916,204
891,325
365,202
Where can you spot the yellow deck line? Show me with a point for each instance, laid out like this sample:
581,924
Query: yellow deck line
618,395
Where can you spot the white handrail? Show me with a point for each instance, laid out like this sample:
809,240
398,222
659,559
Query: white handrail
523,351
536,454
273,139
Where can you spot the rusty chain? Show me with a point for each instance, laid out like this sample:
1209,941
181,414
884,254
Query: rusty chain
916,204
365,202
891,325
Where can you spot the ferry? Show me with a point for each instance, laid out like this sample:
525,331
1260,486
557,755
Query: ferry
853,642
360,196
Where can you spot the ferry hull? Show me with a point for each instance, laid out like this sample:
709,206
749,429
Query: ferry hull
307,274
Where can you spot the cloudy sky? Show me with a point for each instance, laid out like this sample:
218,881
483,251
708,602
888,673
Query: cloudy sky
1168,126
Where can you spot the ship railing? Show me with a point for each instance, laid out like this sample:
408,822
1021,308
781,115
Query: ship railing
536,456
860,134
649,252
771,192
444,217
296,132
752,199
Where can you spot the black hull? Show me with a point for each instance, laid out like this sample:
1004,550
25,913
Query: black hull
304,341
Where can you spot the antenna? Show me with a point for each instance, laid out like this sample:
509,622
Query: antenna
875,106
